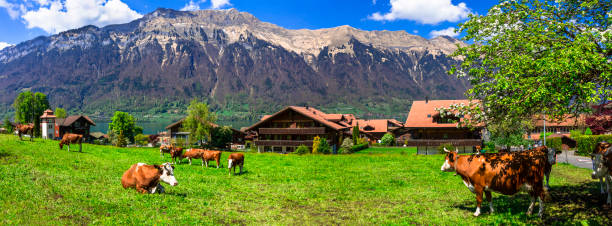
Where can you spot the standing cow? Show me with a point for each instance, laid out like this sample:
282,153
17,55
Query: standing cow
71,138
208,155
602,163
145,178
176,154
551,159
235,159
25,129
165,148
193,153
505,173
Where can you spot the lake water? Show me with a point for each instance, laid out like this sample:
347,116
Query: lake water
154,127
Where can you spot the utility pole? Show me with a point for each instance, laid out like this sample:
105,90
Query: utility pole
544,143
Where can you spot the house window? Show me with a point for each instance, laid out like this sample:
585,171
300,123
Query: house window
428,115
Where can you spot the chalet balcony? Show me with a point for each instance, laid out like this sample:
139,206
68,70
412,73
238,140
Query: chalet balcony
438,142
293,131
291,143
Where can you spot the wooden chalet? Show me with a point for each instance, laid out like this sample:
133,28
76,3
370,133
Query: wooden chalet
427,129
293,126
562,127
375,129
79,124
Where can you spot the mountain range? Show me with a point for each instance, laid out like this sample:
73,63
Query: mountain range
158,63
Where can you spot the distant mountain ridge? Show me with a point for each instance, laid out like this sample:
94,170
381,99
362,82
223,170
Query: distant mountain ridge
171,56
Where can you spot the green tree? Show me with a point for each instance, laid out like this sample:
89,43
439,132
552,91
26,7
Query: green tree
7,124
588,131
356,133
141,139
510,132
199,121
60,113
302,149
388,139
29,107
537,56
323,147
121,142
122,123
315,144
221,136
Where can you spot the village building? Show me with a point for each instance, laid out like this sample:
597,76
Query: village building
175,131
293,126
562,127
79,124
47,124
426,129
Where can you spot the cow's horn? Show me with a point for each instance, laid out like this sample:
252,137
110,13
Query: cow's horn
445,150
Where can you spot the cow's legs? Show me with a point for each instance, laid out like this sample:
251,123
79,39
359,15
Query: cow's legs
541,201
206,163
161,153
608,185
240,173
188,158
80,147
68,147
217,163
530,209
547,177
478,192
601,185
490,200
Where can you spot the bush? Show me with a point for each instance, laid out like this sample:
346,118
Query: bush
302,149
141,139
324,147
554,142
448,146
388,139
586,144
121,140
359,147
588,131
345,148
489,147
315,144
576,133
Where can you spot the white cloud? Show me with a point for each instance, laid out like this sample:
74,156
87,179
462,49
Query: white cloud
54,16
423,11
4,45
448,32
12,9
217,4
192,6
415,31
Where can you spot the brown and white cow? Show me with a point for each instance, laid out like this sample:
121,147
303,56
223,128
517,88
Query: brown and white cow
193,153
505,173
209,155
235,159
551,157
165,148
71,138
176,154
25,129
602,163
145,178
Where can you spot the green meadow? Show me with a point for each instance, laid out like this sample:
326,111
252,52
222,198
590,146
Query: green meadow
41,184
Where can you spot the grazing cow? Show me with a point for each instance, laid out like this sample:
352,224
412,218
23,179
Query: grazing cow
165,148
71,138
145,178
25,129
602,163
235,159
193,153
208,155
505,173
176,153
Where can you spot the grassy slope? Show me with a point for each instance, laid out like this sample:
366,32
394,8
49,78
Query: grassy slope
48,185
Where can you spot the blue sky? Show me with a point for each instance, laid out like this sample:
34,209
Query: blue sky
21,20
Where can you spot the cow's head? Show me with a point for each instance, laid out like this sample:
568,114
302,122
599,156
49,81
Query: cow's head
167,174
600,156
450,161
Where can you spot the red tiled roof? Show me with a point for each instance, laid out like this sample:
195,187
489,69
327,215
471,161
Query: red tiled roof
378,125
569,121
420,110
316,115
73,118
48,114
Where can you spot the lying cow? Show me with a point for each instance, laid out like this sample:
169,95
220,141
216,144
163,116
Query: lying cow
208,155
602,163
25,129
145,178
235,159
165,148
71,138
505,173
176,154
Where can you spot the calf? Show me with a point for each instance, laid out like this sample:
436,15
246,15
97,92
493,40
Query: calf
165,148
208,155
71,138
145,178
25,129
176,154
235,159
505,173
602,163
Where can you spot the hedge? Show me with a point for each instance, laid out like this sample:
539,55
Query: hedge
586,144
555,143
359,147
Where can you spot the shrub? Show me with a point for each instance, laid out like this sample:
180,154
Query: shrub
554,142
448,146
302,149
359,147
388,139
324,147
346,146
315,144
588,131
361,141
576,133
586,144
489,147
141,139
121,141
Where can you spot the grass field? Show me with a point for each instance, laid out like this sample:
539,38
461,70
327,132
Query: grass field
44,185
